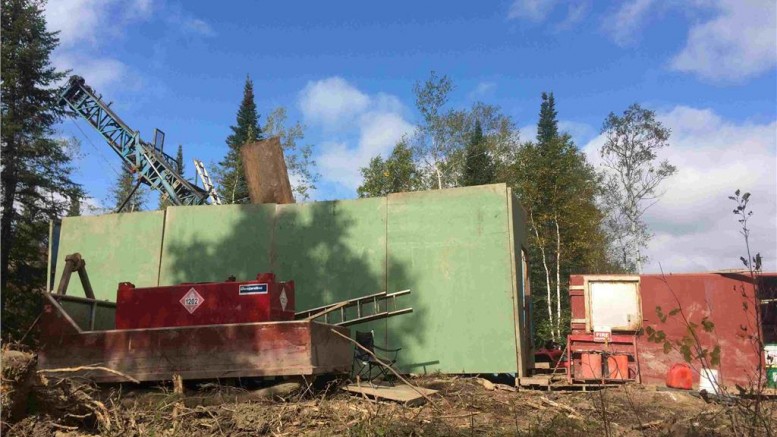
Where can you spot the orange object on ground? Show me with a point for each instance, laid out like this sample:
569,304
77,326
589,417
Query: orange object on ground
591,366
680,376
618,366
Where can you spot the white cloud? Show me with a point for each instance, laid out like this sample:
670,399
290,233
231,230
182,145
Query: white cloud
529,133
376,125
580,132
198,26
99,72
86,27
627,20
482,90
576,11
693,223
332,102
740,42
532,10
60,16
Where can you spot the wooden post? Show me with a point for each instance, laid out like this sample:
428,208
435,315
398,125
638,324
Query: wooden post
265,170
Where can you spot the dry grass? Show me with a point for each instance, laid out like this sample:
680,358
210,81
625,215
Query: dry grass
463,407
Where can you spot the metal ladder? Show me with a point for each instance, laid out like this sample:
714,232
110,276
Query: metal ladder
206,183
368,308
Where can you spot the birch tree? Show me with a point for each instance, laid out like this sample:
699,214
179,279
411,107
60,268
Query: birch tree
558,189
633,174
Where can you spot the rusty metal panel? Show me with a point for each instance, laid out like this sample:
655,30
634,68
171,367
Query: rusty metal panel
194,352
725,299
116,247
453,249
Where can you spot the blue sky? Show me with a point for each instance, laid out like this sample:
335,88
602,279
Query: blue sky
346,70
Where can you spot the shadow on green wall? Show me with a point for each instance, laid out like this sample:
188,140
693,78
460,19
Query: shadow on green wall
321,246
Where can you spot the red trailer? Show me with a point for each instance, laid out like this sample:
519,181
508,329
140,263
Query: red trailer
197,330
612,314
79,332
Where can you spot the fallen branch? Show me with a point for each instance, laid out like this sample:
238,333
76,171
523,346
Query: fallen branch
647,425
378,360
566,408
457,416
80,368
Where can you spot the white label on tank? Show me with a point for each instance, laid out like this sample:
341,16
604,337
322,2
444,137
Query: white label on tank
192,300
284,299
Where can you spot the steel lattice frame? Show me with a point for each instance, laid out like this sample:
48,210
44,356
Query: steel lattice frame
155,168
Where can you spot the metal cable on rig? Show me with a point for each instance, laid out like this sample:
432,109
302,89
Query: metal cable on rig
95,148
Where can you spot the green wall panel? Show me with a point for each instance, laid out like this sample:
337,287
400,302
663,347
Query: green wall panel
116,247
334,251
210,243
453,249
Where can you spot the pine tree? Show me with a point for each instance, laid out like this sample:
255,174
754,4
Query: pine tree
547,127
479,168
558,188
164,201
36,169
75,206
232,181
125,183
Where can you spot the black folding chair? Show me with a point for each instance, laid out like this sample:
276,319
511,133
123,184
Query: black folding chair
363,363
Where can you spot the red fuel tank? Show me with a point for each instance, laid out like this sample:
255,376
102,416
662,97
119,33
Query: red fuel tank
209,303
680,376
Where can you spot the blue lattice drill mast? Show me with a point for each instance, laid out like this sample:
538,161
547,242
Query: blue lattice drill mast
154,167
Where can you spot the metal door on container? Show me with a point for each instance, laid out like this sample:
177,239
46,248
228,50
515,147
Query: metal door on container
615,305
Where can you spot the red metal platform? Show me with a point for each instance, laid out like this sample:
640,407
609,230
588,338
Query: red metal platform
194,352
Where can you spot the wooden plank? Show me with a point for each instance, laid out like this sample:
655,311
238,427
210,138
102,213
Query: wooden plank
399,393
265,171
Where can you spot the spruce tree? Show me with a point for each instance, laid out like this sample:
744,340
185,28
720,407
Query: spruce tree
164,201
75,206
558,188
36,168
547,127
125,183
231,178
479,168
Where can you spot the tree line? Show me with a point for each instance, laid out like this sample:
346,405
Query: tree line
581,219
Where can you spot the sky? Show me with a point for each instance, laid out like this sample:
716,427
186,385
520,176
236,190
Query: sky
346,70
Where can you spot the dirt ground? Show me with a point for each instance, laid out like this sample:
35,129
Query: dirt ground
33,405
463,407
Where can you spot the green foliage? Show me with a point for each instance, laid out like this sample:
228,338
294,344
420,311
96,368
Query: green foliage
230,174
632,177
558,188
547,126
394,175
74,210
36,168
124,186
299,159
479,167
164,200
435,142
689,346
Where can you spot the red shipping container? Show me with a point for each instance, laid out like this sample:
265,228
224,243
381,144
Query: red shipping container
208,303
